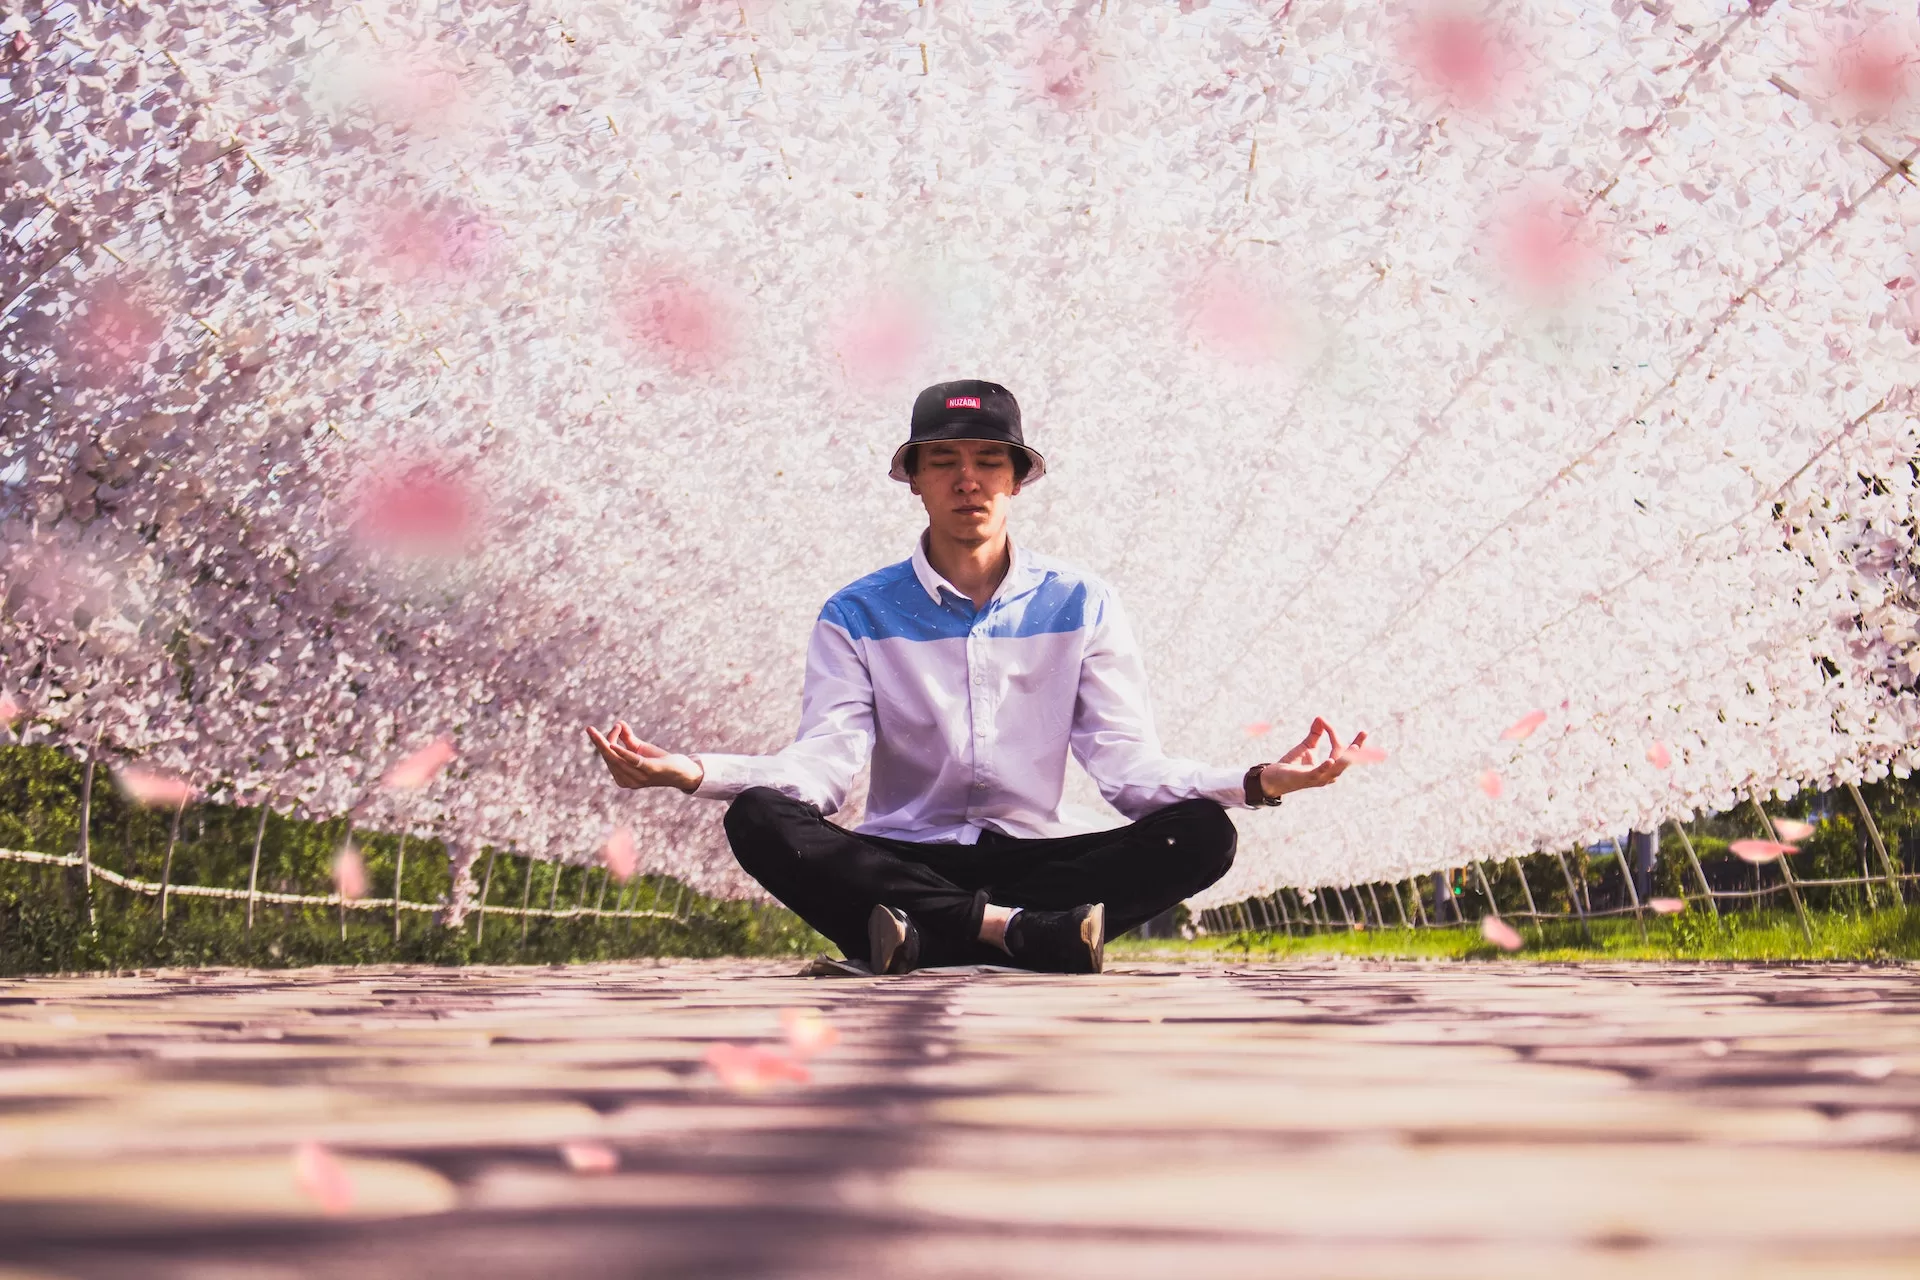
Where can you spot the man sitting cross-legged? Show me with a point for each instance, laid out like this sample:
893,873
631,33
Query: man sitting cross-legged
967,673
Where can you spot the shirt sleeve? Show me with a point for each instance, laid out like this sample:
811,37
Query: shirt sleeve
1113,736
836,731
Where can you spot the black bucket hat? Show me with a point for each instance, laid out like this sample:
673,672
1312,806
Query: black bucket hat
967,410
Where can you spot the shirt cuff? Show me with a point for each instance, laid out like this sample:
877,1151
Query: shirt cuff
1225,786
722,776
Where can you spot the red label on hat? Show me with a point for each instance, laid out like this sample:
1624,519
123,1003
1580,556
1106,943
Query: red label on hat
963,402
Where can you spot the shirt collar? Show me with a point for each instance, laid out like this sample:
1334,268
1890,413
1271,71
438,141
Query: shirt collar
931,580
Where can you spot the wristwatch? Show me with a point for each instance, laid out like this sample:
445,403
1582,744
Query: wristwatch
1257,796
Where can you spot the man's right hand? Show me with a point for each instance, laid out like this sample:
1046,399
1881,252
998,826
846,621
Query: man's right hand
634,763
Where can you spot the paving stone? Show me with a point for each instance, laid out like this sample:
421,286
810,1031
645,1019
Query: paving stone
1350,1118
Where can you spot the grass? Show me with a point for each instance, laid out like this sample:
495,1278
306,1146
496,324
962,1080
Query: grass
1892,935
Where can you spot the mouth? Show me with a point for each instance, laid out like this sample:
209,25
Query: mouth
970,511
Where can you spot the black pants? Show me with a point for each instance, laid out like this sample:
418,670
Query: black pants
832,878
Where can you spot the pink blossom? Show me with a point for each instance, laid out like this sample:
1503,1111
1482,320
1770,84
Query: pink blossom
808,1031
349,873
323,1178
153,788
420,768
589,1157
1500,933
1758,851
619,855
751,1068
1523,727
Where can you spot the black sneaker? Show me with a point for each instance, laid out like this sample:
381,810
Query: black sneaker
893,944
1059,941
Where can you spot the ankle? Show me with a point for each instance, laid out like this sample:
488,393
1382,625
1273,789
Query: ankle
993,926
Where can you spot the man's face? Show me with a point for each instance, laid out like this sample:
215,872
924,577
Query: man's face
967,487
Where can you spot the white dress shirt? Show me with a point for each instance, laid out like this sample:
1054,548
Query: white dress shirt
968,714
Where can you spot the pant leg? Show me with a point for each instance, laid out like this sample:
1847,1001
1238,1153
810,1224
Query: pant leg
832,878
1138,870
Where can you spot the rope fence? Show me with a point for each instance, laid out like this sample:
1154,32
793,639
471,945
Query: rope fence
1284,910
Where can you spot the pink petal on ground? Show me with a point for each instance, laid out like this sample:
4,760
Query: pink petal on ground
349,873
808,1031
1500,933
1758,851
589,1157
152,787
322,1178
418,769
750,1068
9,709
1667,906
1792,829
1658,756
619,855
1491,784
1523,727
1258,728
1362,754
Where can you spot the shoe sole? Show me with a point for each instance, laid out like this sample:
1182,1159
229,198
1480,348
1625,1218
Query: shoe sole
1093,932
886,936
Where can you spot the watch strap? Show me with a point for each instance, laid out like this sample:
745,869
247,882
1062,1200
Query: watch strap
1257,797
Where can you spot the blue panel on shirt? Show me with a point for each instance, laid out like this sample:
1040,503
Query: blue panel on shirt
890,604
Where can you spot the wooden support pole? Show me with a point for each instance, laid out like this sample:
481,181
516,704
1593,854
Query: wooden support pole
553,890
1573,895
1419,902
1633,890
86,836
1698,872
1346,915
166,866
1879,845
486,887
1286,917
253,868
1379,916
526,895
399,865
601,899
1399,907
1526,890
1486,890
1786,872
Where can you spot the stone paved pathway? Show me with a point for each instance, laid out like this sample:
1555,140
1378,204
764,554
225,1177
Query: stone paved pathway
1350,1120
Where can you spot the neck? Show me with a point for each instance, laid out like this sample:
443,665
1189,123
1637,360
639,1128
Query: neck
974,568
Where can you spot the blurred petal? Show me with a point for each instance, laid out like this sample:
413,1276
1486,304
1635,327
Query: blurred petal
1667,906
1500,933
619,855
323,1178
418,769
808,1031
153,788
1758,851
349,873
589,1157
1491,784
1523,727
1792,829
1658,756
1362,754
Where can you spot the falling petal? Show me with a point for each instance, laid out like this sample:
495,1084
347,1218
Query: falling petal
1758,851
1523,727
1875,73
1462,57
1491,784
1667,906
1874,1068
1658,756
153,788
1792,829
808,1031
1548,247
678,321
9,709
880,339
589,1157
1237,319
1714,1048
1500,933
1361,754
416,508
349,873
619,855
418,769
322,1178
1258,728
750,1068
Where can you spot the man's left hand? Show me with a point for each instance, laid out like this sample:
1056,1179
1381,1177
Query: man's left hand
1296,770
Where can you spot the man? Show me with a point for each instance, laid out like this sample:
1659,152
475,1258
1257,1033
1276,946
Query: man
967,673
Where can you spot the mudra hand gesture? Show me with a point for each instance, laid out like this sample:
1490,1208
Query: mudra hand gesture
634,763
1296,771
